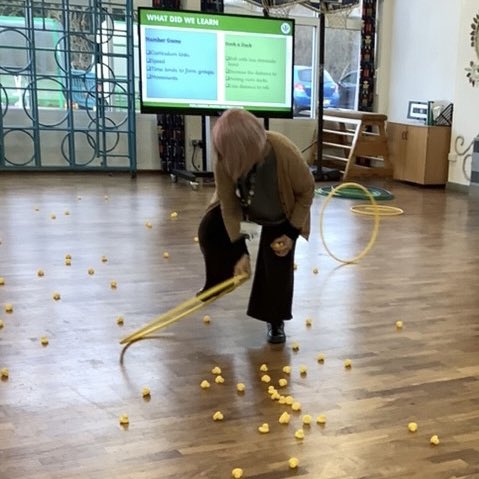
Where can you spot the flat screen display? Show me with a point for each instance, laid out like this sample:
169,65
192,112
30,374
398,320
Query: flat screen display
204,63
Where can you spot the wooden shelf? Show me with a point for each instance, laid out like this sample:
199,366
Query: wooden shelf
419,153
357,139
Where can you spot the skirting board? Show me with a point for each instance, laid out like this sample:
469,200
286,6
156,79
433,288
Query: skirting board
457,187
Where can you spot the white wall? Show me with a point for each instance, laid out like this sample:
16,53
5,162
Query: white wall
422,52
424,49
466,97
147,146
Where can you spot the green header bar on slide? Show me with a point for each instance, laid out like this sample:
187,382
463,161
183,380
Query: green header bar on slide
155,104
206,21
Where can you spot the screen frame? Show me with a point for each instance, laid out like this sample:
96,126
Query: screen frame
198,111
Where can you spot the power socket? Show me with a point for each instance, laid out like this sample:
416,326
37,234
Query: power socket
197,143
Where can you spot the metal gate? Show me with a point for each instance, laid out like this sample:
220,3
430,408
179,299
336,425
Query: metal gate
67,85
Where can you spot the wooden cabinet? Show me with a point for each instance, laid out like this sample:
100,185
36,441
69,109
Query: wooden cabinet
419,154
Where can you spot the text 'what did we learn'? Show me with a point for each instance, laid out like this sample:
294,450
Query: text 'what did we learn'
179,19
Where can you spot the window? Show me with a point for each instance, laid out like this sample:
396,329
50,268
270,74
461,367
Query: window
342,47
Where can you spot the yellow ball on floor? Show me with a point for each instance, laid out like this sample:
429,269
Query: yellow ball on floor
284,418
299,434
218,416
293,462
2,282
435,440
240,387
9,308
264,429
307,419
44,341
4,373
145,392
124,420
296,406
412,426
237,473
321,419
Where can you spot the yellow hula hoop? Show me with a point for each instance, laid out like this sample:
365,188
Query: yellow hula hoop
374,233
383,210
187,307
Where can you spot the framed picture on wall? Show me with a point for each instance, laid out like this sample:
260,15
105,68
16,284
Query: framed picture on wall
418,110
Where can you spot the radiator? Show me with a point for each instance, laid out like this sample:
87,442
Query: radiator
475,162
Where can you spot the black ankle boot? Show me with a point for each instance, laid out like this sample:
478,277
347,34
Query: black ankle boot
276,333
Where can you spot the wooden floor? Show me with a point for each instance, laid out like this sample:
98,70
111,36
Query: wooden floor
60,406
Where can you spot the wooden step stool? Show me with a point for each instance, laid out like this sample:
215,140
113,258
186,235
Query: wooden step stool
349,136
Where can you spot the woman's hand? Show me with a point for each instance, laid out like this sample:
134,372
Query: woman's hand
282,245
243,266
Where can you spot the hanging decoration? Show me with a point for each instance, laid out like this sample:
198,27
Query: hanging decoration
473,69
282,7
367,60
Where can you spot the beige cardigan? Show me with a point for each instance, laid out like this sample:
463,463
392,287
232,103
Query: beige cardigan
295,185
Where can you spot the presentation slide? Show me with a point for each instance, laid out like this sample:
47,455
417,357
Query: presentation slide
211,61
176,66
252,74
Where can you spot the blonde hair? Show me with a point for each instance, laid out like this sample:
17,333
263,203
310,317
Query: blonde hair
239,140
